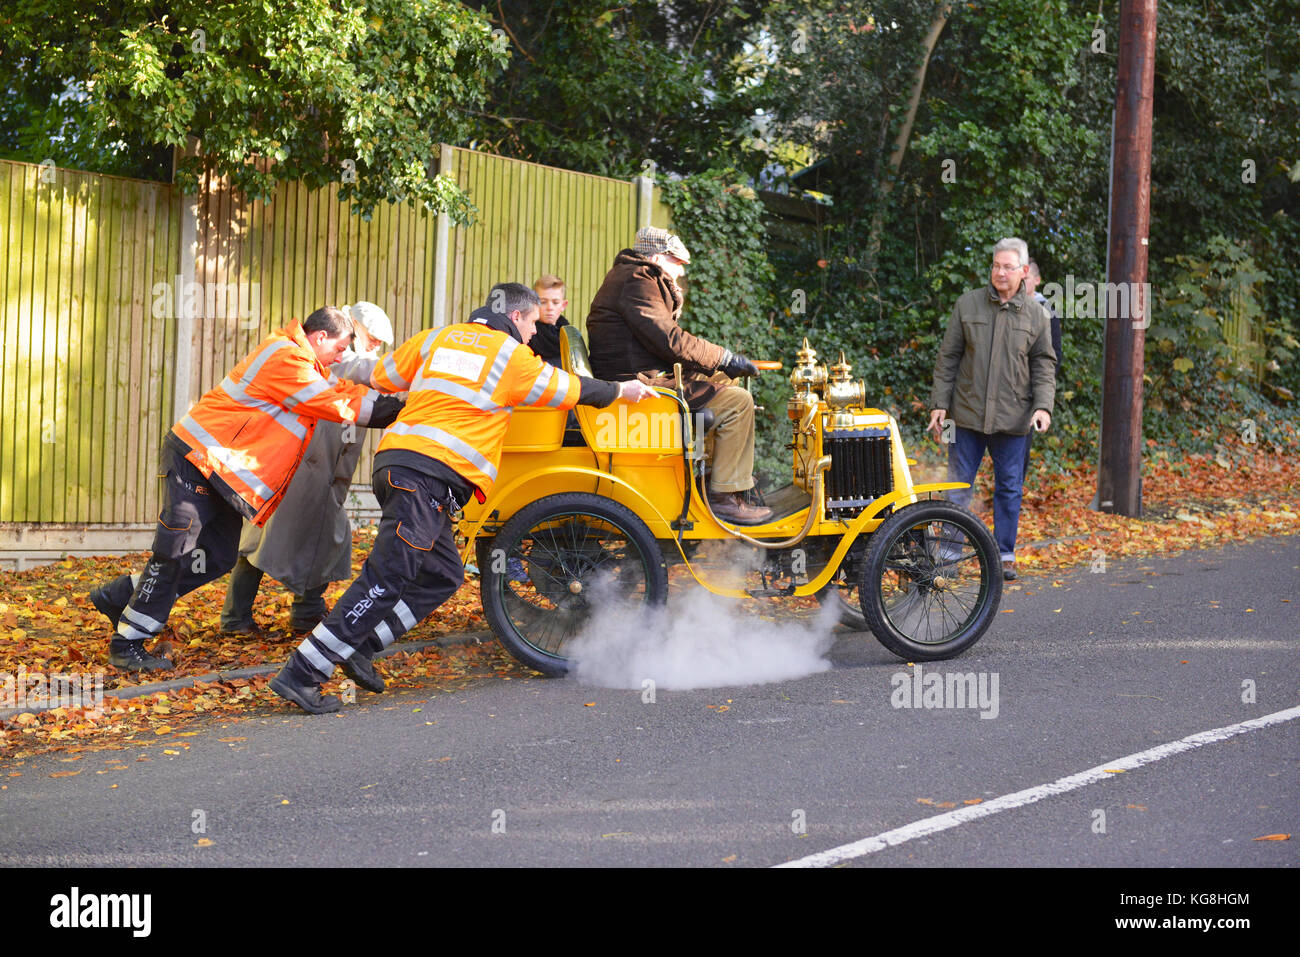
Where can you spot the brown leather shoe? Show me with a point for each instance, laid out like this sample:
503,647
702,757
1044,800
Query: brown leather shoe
732,507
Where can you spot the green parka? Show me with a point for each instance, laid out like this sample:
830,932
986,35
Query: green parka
996,366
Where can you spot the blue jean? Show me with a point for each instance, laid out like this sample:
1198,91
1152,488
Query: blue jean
1008,454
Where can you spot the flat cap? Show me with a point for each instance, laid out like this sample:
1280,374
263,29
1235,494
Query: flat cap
651,240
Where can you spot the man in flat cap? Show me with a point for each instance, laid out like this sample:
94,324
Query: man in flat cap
634,332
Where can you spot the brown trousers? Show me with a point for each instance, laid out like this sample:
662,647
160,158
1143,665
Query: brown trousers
731,457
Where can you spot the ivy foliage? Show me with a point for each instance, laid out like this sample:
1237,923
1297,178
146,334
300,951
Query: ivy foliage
729,297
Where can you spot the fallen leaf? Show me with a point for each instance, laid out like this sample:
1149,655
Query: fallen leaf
204,842
63,774
1273,837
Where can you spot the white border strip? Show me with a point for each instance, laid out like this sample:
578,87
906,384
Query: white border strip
1007,802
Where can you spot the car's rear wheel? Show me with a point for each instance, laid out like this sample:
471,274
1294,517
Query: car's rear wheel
554,562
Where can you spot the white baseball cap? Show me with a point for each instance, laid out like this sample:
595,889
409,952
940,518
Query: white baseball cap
371,318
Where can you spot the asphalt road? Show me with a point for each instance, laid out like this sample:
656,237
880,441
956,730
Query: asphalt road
552,772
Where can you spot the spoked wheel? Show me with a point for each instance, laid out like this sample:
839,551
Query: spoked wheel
931,582
557,561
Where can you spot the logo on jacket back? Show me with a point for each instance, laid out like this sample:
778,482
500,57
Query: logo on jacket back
465,337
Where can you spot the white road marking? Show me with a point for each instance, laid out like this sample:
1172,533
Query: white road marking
1007,802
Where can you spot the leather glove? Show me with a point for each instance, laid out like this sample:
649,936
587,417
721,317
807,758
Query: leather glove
385,411
736,366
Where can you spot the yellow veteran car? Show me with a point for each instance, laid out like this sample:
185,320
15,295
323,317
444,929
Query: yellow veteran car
602,512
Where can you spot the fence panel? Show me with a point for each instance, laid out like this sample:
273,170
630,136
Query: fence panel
98,289
538,219
86,369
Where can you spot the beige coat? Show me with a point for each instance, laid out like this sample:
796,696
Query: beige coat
307,542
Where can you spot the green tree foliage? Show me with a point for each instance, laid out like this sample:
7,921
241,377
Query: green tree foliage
1011,137
358,94
613,88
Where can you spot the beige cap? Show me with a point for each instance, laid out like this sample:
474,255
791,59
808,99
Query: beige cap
371,318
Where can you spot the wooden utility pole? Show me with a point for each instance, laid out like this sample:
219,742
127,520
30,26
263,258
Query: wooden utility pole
1124,297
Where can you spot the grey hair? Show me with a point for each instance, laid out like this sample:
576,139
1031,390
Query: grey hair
1012,244
508,297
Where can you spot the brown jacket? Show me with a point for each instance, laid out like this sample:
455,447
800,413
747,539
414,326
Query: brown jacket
633,331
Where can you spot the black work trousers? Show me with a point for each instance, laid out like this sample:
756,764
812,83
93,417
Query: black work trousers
413,568
195,541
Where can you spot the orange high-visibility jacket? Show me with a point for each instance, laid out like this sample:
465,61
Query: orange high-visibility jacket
463,381
252,429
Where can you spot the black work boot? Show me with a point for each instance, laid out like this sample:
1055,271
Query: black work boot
359,668
111,600
303,692
129,655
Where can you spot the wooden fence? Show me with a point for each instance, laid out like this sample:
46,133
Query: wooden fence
124,301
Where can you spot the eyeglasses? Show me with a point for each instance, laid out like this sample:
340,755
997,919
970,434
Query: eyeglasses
999,267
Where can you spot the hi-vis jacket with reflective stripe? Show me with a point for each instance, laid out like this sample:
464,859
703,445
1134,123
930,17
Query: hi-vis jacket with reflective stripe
251,430
463,381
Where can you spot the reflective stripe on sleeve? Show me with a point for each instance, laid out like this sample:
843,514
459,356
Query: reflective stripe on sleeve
543,380
285,419
564,384
307,392
384,634
390,370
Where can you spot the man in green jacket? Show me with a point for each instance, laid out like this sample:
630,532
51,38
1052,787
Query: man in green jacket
996,374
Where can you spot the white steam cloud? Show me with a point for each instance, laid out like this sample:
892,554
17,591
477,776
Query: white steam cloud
699,640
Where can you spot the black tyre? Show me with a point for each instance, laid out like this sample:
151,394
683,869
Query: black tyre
553,562
842,592
931,582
